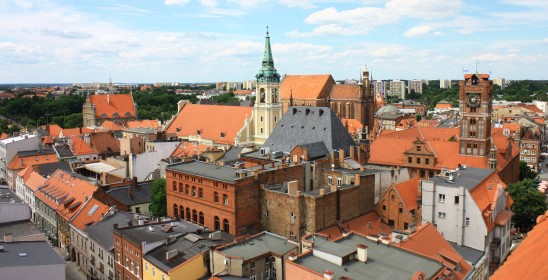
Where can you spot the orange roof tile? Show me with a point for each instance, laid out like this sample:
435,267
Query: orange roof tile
484,76
65,192
379,101
528,261
80,147
34,181
427,241
513,127
344,92
111,126
503,217
443,105
306,86
104,142
21,162
92,212
409,192
352,125
68,132
360,225
152,124
113,105
531,107
211,121
189,149
54,130
242,92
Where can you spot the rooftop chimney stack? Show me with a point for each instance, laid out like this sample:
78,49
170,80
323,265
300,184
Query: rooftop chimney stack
362,253
8,238
328,274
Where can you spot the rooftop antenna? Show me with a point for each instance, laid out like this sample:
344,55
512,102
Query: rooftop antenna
477,67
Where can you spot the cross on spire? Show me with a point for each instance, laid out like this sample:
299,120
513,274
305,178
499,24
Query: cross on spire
267,30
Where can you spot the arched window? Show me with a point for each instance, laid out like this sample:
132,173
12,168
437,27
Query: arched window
188,214
193,191
201,218
216,223
226,226
194,216
182,212
175,210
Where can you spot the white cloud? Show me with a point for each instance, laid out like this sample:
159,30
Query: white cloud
176,2
424,9
305,4
418,31
209,3
66,34
248,3
545,41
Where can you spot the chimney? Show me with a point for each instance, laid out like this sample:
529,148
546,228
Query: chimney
292,187
352,152
130,192
8,238
171,254
108,98
341,156
359,155
141,222
292,256
328,274
357,179
332,157
322,191
362,253
333,188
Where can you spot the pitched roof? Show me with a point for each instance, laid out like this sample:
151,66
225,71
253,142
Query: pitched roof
368,224
104,142
344,92
211,121
47,169
111,126
69,132
315,150
54,130
306,86
65,192
427,241
302,124
4,136
113,105
90,213
531,107
80,147
22,160
189,149
353,126
409,192
34,181
528,261
102,230
130,195
443,105
144,124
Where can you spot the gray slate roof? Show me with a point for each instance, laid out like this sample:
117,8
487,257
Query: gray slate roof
259,245
316,150
471,255
141,194
47,169
468,178
102,230
383,262
187,250
303,124
206,170
139,234
63,151
38,253
6,195
46,151
18,229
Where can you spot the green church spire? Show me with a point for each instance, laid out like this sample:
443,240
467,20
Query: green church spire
268,72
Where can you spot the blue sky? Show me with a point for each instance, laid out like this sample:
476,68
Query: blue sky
214,40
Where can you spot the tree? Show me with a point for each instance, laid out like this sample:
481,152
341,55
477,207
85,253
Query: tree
158,205
529,203
525,171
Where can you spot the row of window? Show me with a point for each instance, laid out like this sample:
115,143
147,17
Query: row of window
418,160
198,217
528,159
443,215
441,198
198,192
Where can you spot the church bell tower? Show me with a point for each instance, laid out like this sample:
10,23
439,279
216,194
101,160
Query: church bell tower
267,110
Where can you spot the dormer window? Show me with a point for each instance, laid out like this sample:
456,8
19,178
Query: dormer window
199,131
223,134
419,148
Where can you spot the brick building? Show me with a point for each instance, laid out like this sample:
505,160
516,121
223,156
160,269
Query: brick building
118,108
218,197
400,206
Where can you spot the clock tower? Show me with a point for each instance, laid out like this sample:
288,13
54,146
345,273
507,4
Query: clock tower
267,110
475,105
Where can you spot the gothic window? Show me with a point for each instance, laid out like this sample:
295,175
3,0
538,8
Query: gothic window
175,210
194,216
226,225
216,223
182,212
188,214
201,218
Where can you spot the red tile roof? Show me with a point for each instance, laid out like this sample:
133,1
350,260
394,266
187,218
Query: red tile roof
4,136
531,107
427,241
409,192
111,126
104,142
353,126
528,261
211,121
152,124
22,162
443,105
483,76
113,105
34,181
306,86
189,149
65,193
503,217
68,132
80,147
90,213
344,92
368,224
54,130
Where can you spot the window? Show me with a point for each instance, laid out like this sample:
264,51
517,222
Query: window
201,218
418,160
174,186
146,266
329,180
419,148
226,226
384,207
441,215
426,161
457,199
201,193
401,210
194,216
253,276
467,223
441,198
225,199
188,214
193,191
187,189
216,197
339,181
181,187
154,272
292,218
163,277
216,223
409,160
137,269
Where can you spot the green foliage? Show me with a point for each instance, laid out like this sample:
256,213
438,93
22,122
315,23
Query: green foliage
525,91
529,203
432,94
226,98
393,99
158,206
525,171
159,103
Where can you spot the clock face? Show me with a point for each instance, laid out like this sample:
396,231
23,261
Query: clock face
473,99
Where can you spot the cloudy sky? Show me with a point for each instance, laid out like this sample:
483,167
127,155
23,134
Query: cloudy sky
222,40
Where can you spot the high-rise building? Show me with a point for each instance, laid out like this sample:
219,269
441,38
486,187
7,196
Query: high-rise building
445,83
500,82
415,85
397,88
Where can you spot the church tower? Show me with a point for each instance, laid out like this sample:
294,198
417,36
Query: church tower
366,101
267,110
475,104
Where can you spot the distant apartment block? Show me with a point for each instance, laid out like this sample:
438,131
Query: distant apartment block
415,85
249,85
445,83
397,88
378,87
500,82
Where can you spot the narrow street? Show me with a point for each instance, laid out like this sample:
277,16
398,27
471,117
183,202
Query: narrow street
72,272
